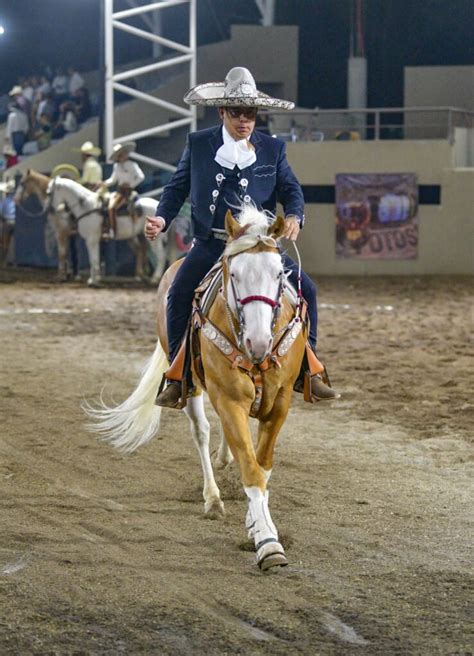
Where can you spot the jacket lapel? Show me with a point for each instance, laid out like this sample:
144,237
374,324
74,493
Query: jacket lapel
216,140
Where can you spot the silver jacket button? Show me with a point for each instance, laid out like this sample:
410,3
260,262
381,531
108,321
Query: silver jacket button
247,198
244,182
215,193
212,208
220,177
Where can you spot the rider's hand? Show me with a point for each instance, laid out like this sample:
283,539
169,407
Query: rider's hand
292,228
153,226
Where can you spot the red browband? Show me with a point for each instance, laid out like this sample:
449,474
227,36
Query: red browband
264,299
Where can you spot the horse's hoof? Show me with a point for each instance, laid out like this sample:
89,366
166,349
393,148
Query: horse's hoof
214,508
220,464
271,555
93,283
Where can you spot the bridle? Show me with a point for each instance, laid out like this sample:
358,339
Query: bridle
240,303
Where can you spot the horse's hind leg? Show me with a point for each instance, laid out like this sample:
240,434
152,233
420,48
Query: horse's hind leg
224,456
200,431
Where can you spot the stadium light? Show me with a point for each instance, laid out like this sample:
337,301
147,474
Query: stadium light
2,30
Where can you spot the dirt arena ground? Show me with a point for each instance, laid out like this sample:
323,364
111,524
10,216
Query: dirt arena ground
105,554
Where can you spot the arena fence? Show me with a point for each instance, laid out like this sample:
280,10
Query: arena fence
368,124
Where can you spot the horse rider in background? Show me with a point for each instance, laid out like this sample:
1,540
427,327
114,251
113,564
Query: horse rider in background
126,175
221,168
91,169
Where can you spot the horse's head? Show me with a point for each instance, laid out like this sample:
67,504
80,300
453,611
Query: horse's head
254,279
31,183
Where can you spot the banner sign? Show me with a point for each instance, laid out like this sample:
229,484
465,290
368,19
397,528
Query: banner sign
377,216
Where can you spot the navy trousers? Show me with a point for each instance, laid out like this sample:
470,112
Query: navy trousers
202,256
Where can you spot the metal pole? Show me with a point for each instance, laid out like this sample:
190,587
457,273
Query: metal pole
192,66
109,70
102,81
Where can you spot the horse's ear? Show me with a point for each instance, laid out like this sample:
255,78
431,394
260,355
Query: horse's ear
277,228
231,225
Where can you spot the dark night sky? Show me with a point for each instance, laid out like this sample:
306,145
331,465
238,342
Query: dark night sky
398,33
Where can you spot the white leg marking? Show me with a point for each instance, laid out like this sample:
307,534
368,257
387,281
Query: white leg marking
261,528
200,432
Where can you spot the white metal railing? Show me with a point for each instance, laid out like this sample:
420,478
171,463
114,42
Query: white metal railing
368,123
187,55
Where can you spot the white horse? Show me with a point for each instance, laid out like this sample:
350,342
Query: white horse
70,205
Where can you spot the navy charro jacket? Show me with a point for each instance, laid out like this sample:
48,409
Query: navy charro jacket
269,179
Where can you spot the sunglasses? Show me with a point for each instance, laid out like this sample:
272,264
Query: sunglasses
237,112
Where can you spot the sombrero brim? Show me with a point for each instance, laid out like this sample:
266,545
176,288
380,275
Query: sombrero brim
128,147
211,94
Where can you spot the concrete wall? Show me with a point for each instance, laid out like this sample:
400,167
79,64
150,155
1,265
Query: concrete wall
439,86
445,231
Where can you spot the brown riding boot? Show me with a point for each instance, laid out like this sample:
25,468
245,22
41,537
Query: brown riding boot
170,396
320,391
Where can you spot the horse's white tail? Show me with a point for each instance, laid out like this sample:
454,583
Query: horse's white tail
135,421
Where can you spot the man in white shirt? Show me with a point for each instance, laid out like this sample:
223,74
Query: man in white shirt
91,170
17,123
76,82
126,175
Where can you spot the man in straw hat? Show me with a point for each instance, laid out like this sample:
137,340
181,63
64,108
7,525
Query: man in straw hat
17,122
126,175
91,169
219,166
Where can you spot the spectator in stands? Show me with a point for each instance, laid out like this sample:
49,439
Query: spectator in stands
17,123
44,134
60,86
76,81
11,158
29,89
17,94
43,105
66,122
82,105
126,175
44,86
91,169
7,217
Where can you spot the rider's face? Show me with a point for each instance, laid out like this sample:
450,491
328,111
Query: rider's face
239,122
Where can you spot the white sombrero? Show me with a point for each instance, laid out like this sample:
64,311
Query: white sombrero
88,148
127,147
238,90
8,186
16,91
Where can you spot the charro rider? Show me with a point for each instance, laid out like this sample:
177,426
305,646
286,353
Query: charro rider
91,169
126,175
221,167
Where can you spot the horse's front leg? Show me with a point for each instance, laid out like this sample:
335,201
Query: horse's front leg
269,428
63,243
234,419
200,431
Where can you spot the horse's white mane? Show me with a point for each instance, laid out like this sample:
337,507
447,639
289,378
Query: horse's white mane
257,231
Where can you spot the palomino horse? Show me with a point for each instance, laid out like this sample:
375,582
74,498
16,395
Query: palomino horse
251,331
71,206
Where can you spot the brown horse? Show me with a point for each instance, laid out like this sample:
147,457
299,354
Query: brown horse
251,343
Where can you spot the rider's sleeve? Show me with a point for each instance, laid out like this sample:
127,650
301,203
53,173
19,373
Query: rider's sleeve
113,178
139,175
177,189
289,191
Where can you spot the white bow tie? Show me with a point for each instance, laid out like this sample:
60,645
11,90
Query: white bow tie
235,153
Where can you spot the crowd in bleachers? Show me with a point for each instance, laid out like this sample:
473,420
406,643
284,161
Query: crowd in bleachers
42,108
